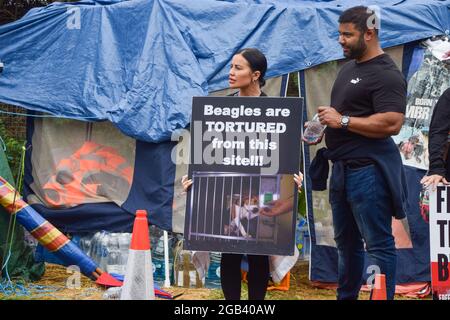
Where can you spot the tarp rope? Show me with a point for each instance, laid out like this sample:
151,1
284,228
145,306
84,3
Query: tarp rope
75,117
7,286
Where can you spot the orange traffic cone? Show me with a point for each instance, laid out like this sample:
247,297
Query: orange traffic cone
379,289
138,281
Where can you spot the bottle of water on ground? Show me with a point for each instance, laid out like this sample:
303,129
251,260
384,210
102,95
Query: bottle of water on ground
112,293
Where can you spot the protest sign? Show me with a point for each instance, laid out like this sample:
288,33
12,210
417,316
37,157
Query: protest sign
244,152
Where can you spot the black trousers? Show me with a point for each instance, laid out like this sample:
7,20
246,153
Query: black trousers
257,276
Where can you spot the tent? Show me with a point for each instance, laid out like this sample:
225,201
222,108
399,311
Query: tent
138,63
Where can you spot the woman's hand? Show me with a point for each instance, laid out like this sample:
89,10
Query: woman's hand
298,178
433,180
186,183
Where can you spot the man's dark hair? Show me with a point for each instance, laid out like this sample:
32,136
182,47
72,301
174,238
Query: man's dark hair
361,17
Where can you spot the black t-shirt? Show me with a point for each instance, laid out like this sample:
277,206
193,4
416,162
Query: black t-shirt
363,89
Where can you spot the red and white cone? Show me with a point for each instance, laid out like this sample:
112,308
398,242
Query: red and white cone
379,289
138,281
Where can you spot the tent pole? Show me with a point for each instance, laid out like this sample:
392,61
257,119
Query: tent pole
166,260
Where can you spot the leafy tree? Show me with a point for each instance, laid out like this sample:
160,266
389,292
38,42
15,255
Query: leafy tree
11,10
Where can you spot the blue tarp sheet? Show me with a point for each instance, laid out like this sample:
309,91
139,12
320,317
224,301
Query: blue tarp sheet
138,63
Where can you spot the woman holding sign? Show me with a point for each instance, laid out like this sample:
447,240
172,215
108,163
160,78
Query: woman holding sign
247,71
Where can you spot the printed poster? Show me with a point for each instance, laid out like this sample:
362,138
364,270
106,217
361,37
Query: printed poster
244,152
440,242
424,89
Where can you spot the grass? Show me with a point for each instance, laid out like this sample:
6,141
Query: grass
53,286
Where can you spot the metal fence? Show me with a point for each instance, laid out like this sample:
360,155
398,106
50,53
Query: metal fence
228,206
15,125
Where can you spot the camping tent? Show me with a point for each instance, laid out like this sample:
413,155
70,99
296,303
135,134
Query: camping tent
138,64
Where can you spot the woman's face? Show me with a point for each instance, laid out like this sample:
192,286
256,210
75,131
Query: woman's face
241,75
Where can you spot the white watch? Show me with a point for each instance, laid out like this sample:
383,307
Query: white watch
345,120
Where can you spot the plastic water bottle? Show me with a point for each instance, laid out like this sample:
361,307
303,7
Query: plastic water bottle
103,251
85,245
95,251
114,263
306,244
124,245
112,293
314,130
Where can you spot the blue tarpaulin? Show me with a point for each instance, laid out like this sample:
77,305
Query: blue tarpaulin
138,63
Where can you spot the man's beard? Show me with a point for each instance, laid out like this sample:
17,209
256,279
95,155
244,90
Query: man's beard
356,51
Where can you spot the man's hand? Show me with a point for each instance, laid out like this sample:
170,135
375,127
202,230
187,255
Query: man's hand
330,117
433,180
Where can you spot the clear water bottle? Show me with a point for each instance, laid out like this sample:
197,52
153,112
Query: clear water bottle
114,262
112,293
306,244
124,245
95,251
103,250
86,244
314,130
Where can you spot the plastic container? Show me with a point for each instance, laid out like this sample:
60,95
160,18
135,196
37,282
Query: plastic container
306,244
314,130
124,246
112,293
110,251
303,240
114,262
212,280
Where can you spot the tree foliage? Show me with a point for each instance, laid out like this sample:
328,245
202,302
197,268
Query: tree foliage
11,10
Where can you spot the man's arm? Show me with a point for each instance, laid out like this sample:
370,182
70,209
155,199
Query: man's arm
378,125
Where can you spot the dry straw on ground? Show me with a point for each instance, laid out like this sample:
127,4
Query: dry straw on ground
56,277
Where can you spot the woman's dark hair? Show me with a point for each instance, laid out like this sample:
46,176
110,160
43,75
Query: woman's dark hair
257,61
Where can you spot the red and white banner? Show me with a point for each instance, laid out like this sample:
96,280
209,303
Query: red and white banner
440,242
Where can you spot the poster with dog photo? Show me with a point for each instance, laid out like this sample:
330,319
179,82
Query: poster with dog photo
244,152
424,89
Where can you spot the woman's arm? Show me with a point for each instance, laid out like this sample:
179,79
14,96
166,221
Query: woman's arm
438,139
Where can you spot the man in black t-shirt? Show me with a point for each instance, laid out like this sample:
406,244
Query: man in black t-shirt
368,102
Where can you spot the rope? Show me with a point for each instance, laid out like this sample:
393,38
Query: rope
20,289
7,286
